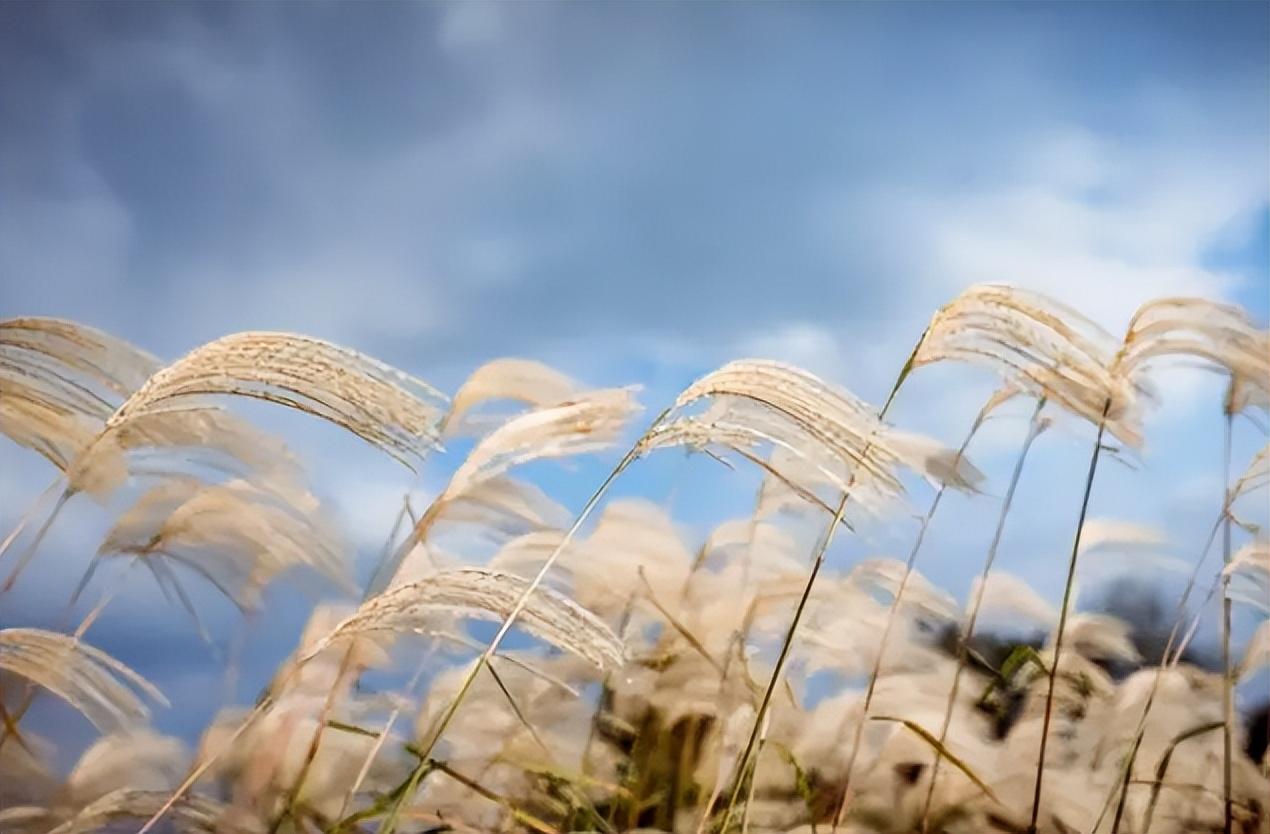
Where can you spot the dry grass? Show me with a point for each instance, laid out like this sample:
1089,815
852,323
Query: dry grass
660,683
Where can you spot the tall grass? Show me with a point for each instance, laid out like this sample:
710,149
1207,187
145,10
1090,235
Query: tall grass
667,683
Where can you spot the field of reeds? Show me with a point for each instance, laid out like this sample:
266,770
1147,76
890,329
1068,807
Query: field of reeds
516,666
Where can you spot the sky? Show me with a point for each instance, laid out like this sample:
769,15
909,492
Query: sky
634,193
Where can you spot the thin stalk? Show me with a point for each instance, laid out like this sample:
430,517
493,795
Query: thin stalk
386,553
346,665
1121,785
198,770
749,798
26,518
577,798
29,553
818,562
1035,427
1228,689
364,771
523,817
893,612
623,623
786,644
412,783
11,720
1062,617
1162,768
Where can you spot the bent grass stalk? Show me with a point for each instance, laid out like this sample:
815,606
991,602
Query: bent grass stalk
329,704
818,562
1228,688
11,720
786,644
894,609
1121,785
29,553
26,518
1062,618
1162,768
1035,427
412,783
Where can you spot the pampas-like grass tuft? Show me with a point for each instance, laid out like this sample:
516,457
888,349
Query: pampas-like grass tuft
107,692
664,677
483,594
384,406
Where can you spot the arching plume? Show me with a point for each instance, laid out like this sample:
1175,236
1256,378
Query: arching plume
60,381
238,535
108,693
384,406
518,380
589,423
1039,346
194,815
483,594
1249,575
1219,335
764,401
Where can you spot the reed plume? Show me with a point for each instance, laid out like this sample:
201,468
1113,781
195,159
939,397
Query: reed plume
105,691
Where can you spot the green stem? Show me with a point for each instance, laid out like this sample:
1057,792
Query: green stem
1228,689
1035,426
420,770
1062,617
825,541
891,615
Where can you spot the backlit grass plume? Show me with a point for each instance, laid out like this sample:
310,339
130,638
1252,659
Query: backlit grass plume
651,666
60,379
806,414
237,535
1041,347
380,404
521,381
1220,336
108,693
483,594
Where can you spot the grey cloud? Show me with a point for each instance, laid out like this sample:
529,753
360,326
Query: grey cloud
553,174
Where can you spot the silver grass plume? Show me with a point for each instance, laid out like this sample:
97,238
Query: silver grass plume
1220,335
166,442
921,598
191,814
503,507
591,422
1256,653
483,594
1248,575
239,535
60,380
1098,637
1040,347
519,380
385,407
1006,595
138,759
108,693
793,409
798,466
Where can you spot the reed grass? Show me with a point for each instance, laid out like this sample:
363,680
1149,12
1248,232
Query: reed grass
700,654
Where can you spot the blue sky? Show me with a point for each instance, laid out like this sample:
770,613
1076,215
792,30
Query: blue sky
635,193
